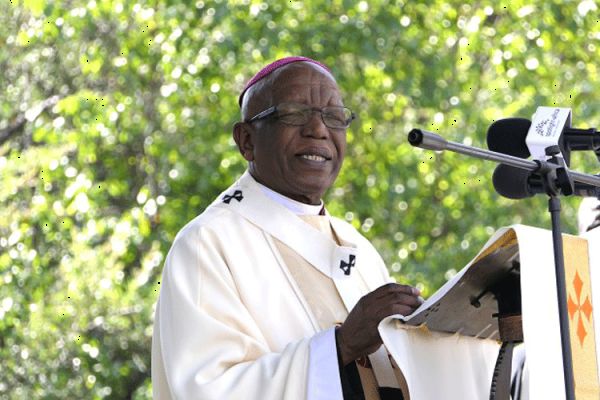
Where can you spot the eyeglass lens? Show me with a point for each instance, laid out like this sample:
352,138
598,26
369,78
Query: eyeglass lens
297,114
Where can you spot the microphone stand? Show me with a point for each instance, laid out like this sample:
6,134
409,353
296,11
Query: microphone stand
557,180
561,292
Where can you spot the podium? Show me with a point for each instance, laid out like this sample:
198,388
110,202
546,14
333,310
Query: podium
448,347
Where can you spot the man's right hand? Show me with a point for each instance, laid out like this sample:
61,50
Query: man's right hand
358,335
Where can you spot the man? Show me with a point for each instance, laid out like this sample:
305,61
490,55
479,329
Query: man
265,295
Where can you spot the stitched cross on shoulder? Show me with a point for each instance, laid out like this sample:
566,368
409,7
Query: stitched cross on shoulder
346,266
236,195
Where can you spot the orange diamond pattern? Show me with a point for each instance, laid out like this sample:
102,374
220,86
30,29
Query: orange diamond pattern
576,307
572,306
577,284
587,308
581,332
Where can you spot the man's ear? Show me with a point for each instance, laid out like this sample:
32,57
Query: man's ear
242,134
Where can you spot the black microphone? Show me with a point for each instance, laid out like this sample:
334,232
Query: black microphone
517,183
508,136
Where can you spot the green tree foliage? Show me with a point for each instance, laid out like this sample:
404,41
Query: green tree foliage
115,125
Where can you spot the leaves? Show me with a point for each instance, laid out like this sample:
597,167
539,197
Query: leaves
137,141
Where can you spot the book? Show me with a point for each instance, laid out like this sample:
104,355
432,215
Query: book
467,304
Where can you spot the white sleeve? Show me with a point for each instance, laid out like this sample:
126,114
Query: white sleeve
207,346
323,369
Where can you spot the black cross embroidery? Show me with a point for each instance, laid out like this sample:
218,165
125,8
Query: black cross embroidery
236,195
346,266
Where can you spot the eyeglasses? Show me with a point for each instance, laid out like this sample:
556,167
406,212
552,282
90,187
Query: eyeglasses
299,114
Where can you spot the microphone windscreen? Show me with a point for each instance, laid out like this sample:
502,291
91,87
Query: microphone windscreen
508,136
512,182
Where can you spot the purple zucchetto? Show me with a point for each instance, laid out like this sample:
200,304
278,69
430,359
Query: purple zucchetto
275,65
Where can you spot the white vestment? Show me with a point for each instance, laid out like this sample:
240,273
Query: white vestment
231,322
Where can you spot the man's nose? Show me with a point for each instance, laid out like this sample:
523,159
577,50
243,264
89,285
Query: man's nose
315,127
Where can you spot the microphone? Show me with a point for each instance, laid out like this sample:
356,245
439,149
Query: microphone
509,136
517,183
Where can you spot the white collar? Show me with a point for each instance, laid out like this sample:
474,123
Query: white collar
294,206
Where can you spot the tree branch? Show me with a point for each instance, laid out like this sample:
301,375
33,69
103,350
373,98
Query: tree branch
28,116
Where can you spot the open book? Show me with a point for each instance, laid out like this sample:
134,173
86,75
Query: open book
466,303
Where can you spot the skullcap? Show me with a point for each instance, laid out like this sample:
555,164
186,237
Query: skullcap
275,65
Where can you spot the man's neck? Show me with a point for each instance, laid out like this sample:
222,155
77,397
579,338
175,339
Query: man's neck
294,206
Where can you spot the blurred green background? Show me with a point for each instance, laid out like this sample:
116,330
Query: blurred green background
115,121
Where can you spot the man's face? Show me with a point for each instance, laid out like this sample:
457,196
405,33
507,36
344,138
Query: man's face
283,156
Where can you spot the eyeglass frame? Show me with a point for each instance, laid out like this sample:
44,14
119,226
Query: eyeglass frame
273,109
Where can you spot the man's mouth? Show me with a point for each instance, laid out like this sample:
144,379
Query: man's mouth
315,154
313,157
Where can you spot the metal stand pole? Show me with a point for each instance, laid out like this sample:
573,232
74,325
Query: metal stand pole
559,267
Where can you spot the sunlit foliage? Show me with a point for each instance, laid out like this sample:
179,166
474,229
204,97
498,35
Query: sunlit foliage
115,121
